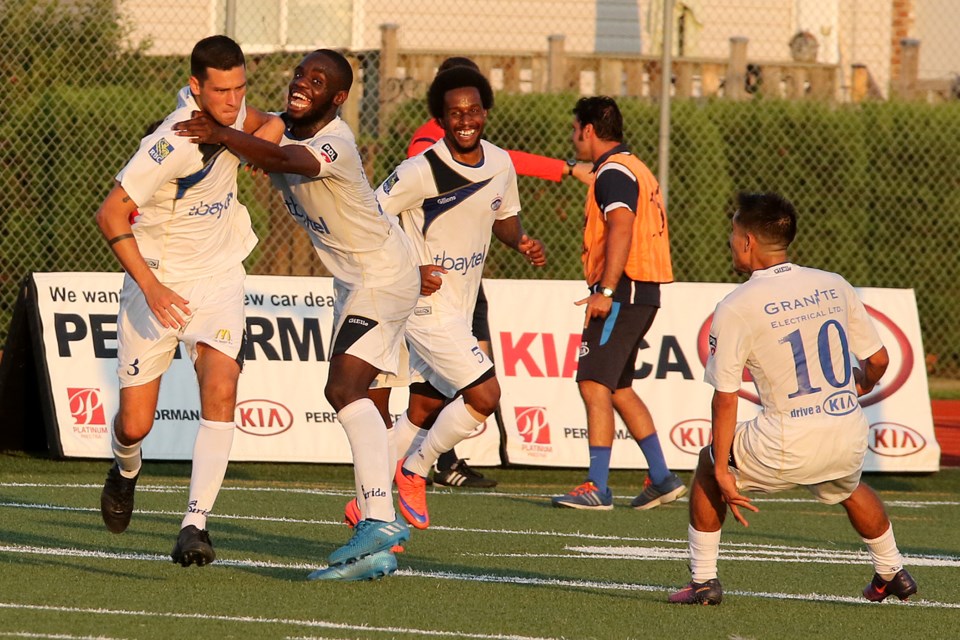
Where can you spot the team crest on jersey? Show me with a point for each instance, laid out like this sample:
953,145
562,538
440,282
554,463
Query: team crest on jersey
161,150
712,340
495,205
328,152
391,180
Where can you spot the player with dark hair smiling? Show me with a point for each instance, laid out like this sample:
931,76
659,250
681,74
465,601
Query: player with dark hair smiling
450,198
318,168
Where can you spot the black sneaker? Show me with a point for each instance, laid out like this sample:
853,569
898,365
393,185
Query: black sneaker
709,592
193,547
901,585
116,500
461,475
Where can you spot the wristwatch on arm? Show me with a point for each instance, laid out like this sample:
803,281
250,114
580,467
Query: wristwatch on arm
570,165
606,292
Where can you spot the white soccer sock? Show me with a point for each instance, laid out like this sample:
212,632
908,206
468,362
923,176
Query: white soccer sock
453,424
704,547
884,554
128,457
368,443
407,437
211,453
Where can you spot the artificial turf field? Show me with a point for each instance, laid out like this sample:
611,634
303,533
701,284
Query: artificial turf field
499,563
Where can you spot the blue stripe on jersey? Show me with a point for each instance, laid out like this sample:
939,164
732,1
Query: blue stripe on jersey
609,322
433,208
185,183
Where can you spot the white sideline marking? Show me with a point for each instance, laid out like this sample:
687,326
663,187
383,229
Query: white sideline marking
52,636
430,575
755,554
324,624
751,547
177,488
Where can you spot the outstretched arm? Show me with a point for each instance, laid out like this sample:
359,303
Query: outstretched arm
266,155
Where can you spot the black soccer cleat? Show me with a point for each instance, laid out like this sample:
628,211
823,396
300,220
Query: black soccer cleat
901,585
709,592
116,500
193,547
461,475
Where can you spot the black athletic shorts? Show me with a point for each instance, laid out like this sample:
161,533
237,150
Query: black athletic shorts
609,346
481,328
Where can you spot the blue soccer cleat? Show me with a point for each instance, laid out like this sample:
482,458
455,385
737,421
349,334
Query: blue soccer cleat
654,495
370,537
372,567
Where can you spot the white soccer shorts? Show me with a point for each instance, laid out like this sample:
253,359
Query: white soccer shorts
369,323
145,348
753,474
445,352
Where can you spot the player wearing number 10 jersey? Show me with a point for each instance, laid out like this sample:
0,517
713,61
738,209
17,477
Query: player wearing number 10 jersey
794,329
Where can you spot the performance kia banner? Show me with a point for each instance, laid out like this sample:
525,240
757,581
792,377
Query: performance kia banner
536,335
281,414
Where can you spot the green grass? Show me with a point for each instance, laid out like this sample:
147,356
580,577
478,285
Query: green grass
944,388
493,564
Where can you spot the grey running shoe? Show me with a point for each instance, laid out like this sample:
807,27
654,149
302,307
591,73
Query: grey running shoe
656,494
585,496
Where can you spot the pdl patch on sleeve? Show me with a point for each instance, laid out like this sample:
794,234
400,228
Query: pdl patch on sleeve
328,152
161,150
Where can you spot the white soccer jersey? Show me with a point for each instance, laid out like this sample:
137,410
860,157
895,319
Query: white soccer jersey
448,210
190,224
794,328
358,244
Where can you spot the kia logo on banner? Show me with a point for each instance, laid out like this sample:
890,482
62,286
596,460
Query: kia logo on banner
86,407
891,382
894,440
690,436
532,424
263,417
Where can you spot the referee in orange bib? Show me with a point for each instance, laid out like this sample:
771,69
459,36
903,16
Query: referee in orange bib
626,257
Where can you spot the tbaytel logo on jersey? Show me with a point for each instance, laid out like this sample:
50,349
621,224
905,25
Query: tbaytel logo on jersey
317,226
215,209
461,264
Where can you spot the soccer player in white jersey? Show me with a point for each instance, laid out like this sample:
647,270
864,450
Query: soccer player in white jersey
794,328
318,168
449,199
184,283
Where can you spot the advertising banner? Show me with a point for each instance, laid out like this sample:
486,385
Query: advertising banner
536,343
281,414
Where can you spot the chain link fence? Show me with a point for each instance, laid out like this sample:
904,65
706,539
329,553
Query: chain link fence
848,107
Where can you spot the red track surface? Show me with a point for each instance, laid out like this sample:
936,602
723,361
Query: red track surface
946,426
